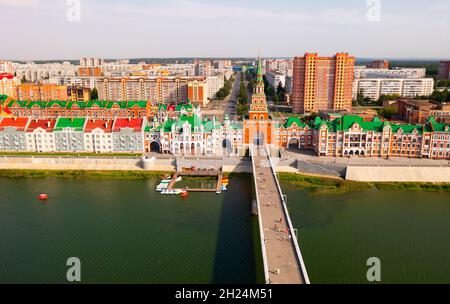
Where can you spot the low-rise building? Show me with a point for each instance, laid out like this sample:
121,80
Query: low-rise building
72,109
418,111
12,134
128,135
69,135
98,136
40,136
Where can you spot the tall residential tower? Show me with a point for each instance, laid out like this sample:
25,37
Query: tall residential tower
322,83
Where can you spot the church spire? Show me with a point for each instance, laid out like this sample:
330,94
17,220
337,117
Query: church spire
259,74
259,87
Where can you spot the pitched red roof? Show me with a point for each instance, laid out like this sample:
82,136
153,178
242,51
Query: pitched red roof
6,75
133,123
18,123
46,124
105,125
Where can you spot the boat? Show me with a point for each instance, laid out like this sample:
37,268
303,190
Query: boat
162,187
167,176
177,191
184,193
179,179
219,192
43,197
223,188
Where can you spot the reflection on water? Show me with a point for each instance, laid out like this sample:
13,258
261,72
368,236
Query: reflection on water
408,231
124,231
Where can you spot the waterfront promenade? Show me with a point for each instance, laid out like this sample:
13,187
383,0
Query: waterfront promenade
283,263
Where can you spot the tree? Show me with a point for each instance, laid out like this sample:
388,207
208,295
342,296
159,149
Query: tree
94,94
280,93
387,113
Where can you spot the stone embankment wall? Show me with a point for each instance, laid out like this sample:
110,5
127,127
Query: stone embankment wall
70,163
399,174
318,168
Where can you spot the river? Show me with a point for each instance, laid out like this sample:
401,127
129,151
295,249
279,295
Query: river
125,232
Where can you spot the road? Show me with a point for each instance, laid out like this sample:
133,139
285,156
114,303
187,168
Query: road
228,106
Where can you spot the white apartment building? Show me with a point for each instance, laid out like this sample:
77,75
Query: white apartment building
87,82
214,84
178,69
222,64
99,139
275,78
41,139
6,67
36,72
284,66
91,62
409,73
410,88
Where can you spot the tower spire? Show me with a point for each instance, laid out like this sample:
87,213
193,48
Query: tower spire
259,73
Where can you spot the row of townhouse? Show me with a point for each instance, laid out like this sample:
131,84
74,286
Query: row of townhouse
95,109
74,135
351,135
189,134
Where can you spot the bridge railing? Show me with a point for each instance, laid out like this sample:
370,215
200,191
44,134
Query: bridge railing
291,227
261,227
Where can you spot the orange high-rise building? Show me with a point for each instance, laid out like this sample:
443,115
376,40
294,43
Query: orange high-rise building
322,83
44,92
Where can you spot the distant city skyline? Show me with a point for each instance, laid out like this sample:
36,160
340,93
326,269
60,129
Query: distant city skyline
40,29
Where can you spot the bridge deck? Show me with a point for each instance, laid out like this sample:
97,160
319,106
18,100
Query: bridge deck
283,262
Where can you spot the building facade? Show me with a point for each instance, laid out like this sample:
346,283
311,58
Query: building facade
396,73
444,70
41,92
12,134
158,90
274,78
409,88
378,64
40,136
8,84
322,83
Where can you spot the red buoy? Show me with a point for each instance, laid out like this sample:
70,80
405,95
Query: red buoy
43,197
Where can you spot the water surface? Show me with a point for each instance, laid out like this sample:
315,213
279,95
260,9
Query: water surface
124,232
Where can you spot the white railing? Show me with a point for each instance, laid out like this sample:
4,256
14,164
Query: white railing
291,227
261,227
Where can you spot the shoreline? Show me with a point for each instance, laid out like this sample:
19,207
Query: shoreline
316,185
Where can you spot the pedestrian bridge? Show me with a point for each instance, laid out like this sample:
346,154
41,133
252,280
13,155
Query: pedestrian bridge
283,261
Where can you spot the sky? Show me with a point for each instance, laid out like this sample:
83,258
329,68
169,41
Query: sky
50,29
